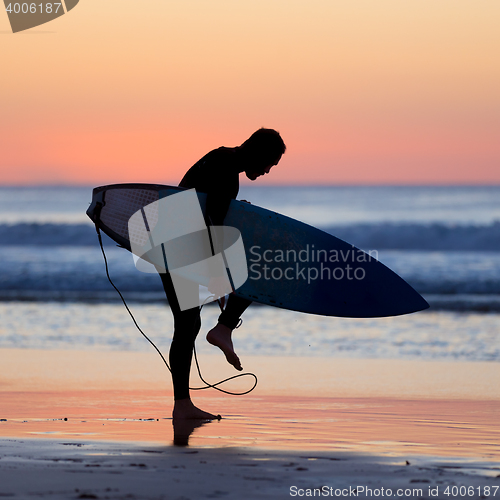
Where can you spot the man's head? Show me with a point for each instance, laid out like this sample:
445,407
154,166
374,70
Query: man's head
262,150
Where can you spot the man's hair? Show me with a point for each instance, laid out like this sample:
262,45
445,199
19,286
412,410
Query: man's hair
267,142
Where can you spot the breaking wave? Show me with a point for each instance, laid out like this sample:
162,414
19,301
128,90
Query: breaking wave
404,236
394,236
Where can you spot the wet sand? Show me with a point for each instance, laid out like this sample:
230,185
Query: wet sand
310,422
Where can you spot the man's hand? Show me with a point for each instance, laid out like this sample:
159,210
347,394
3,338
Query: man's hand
245,201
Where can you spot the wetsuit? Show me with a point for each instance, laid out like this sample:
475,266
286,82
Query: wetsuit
216,174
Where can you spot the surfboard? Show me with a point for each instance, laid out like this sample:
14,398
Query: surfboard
291,265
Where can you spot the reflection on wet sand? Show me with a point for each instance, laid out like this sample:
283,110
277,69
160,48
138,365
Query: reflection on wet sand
183,428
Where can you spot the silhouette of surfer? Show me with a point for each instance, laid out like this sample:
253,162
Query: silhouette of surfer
216,174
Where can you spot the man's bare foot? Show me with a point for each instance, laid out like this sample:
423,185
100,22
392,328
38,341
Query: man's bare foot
220,336
185,409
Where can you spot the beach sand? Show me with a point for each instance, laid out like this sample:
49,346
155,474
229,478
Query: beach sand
85,424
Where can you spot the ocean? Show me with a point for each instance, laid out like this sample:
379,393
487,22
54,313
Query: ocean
445,241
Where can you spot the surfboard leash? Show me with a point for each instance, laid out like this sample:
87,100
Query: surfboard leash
207,384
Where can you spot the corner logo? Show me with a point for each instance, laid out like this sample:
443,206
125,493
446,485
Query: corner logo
26,15
170,235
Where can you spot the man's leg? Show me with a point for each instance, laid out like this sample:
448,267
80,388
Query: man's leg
221,335
186,327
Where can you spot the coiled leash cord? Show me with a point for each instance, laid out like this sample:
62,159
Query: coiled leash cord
207,385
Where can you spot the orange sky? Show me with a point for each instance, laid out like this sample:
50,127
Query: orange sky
363,92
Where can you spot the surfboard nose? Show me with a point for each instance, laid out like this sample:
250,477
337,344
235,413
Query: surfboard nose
382,293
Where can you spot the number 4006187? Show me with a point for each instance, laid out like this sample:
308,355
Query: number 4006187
33,8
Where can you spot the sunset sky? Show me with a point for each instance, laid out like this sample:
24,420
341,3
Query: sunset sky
362,91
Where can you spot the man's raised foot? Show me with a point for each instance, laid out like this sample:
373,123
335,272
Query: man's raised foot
220,336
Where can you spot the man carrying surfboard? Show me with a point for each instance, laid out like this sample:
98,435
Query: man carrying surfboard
216,174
